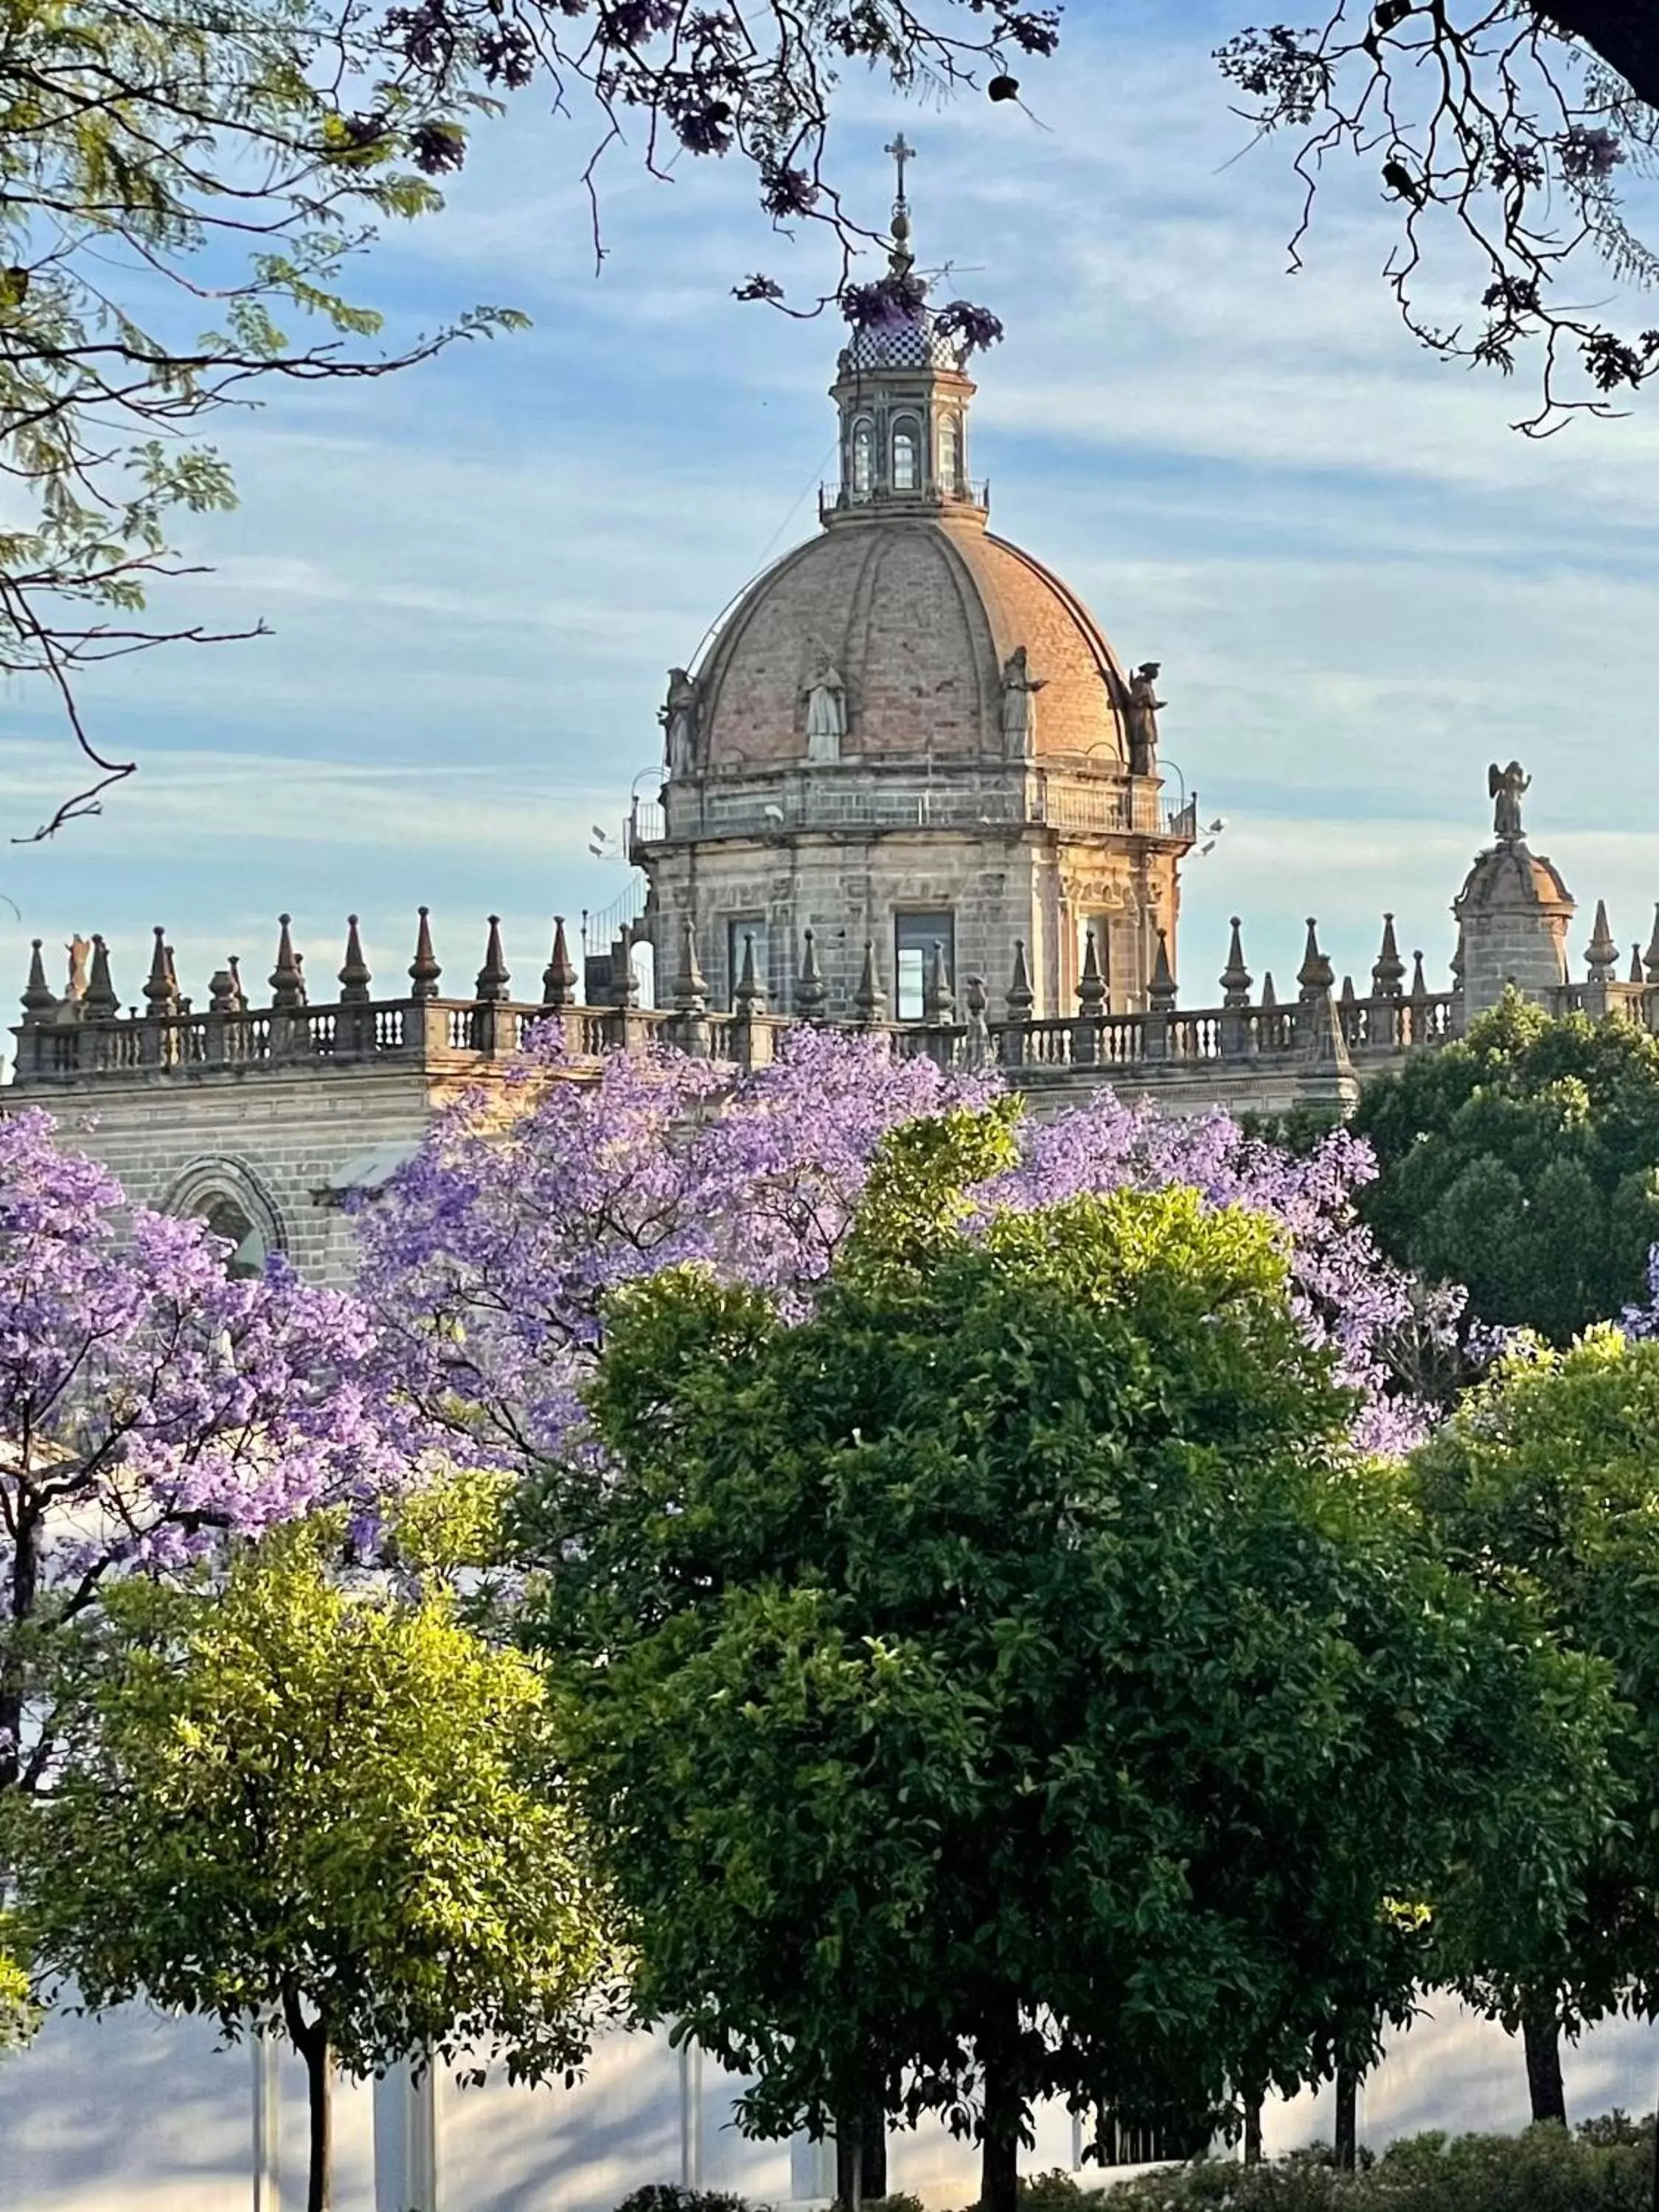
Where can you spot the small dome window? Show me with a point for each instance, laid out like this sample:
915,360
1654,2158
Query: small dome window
864,459
906,458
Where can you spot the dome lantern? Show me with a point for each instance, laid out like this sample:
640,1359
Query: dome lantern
901,391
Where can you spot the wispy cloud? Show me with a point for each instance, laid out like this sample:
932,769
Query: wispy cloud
1362,585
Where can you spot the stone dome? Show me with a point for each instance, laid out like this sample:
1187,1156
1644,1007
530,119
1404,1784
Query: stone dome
918,615
1511,876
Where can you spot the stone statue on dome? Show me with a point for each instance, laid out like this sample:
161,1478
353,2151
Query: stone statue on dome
678,716
826,712
1019,690
1144,706
1506,786
79,950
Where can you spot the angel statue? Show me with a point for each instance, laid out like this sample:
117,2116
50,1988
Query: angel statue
78,949
1504,786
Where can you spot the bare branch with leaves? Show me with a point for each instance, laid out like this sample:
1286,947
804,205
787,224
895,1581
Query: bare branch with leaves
1509,143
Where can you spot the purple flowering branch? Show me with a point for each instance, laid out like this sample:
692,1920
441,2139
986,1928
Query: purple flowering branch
490,1256
150,1406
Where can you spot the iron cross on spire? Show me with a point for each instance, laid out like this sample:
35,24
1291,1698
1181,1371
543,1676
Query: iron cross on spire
901,153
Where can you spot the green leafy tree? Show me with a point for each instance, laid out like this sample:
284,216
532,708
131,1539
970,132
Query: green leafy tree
290,1804
1523,1162
1542,1483
1012,1686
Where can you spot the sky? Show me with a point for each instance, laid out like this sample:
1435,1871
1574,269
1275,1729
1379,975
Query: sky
1362,583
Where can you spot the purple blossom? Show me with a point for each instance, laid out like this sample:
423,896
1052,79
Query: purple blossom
489,1257
149,1403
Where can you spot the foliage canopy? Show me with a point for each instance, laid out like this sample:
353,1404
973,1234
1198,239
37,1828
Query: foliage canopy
1012,1683
1543,1482
1522,1161
285,1803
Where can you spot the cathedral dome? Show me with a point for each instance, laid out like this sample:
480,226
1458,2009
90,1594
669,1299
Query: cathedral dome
916,619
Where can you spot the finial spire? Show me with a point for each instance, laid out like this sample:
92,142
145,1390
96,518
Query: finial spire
902,258
493,977
749,997
691,986
809,983
100,1003
1601,956
1161,991
1387,969
39,999
869,1000
423,969
355,978
1090,984
938,1004
1020,997
1315,974
1234,977
287,988
559,977
160,988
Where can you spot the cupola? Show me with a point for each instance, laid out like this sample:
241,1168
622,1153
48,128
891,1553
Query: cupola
902,391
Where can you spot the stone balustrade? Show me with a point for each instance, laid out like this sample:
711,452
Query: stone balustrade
83,1040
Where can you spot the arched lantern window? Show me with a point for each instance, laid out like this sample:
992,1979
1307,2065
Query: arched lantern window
907,453
864,459
950,455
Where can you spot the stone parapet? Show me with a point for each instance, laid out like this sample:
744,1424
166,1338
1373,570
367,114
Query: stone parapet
861,796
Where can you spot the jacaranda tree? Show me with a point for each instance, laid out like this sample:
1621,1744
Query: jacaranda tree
150,1407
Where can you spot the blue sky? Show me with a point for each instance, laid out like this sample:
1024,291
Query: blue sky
1362,585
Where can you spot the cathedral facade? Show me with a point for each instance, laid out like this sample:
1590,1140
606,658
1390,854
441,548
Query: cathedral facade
908,789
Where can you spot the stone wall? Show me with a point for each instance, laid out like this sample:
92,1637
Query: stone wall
277,1137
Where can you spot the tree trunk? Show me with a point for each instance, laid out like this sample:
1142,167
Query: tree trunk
1253,2132
310,2039
1346,2142
1540,2035
861,2154
998,2188
20,1597
319,2090
849,2162
873,2150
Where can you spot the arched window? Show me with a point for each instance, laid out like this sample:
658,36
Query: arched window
950,455
225,1217
864,459
906,457
225,1197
